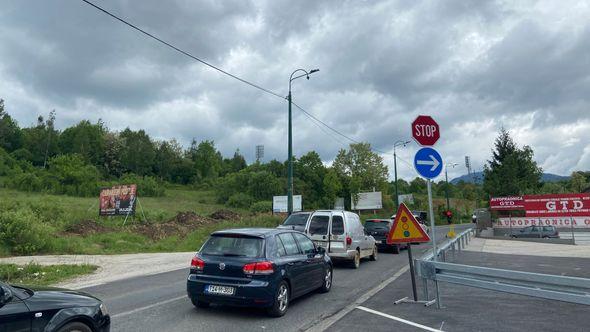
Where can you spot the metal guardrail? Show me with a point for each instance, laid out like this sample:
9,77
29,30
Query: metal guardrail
547,286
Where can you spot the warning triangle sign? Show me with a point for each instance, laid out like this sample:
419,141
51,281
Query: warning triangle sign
406,228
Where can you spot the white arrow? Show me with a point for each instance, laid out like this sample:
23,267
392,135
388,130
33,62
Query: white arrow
433,161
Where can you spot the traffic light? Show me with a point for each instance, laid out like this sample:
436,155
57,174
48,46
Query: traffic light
449,216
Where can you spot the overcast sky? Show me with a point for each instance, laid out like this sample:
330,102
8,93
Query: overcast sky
475,66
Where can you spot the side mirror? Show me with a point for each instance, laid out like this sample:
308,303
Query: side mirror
321,250
5,295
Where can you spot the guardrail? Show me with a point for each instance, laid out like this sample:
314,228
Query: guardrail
547,286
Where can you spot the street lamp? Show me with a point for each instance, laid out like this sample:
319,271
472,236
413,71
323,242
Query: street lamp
447,181
290,162
395,145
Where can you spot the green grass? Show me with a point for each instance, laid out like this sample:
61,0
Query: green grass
38,275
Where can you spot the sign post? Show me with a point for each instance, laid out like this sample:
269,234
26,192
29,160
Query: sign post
406,229
428,164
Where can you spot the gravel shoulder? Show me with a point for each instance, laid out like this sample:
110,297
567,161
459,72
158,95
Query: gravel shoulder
110,267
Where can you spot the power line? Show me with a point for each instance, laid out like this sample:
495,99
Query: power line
181,51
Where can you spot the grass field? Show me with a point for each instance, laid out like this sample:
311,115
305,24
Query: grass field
60,213
37,275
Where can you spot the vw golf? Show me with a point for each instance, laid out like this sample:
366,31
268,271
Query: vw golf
257,267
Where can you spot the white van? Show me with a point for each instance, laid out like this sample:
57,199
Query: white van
342,235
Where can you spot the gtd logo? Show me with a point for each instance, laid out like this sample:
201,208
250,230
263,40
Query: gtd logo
553,205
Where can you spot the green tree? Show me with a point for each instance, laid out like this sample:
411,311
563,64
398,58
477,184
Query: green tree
138,152
10,133
113,147
311,171
85,139
418,186
207,159
41,140
234,164
512,170
332,188
168,159
578,182
363,166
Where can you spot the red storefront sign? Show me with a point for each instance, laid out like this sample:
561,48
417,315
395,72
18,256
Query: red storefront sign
553,205
507,203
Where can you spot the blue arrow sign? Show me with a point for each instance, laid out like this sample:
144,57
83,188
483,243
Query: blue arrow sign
428,163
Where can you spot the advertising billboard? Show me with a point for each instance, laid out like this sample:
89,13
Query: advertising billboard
367,201
117,200
279,203
541,206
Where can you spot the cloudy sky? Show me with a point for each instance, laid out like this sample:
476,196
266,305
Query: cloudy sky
475,66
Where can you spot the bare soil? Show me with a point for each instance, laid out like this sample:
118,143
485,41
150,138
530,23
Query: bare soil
87,227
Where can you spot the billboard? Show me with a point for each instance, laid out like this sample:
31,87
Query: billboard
406,199
117,200
541,206
559,222
279,203
367,201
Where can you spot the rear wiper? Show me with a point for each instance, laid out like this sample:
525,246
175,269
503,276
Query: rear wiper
233,255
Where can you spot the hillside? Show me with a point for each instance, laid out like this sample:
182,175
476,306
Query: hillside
477,177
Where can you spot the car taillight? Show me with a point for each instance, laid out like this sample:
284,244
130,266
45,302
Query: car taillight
197,264
348,240
258,268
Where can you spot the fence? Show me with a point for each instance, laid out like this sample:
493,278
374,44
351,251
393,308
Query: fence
553,287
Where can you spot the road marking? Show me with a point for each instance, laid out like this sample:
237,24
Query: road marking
324,324
130,312
424,327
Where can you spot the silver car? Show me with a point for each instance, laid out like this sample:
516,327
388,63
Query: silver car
342,234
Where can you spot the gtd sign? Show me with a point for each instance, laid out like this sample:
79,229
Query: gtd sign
565,205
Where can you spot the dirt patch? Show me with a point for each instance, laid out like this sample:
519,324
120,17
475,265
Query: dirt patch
181,225
225,215
87,227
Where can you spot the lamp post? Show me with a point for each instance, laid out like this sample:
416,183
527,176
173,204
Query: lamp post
447,181
395,145
290,160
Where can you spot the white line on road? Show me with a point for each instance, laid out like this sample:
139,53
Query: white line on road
326,323
130,312
424,327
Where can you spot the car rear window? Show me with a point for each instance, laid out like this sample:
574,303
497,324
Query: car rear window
319,225
233,245
337,225
548,228
297,219
376,224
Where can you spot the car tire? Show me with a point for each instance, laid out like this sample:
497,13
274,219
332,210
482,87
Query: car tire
75,327
328,276
545,237
281,300
395,249
356,261
200,304
373,257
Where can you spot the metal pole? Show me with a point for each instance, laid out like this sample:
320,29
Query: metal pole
290,161
447,188
395,178
415,293
572,227
510,221
430,210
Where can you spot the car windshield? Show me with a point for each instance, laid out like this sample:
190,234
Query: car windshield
297,219
376,224
233,245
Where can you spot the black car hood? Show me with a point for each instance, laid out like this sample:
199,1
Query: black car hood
47,298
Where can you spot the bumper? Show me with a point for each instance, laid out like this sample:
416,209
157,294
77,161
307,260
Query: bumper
348,254
256,293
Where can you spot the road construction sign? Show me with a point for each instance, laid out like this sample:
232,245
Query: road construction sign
406,229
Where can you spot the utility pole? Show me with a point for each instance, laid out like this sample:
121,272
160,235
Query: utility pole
290,153
447,182
395,145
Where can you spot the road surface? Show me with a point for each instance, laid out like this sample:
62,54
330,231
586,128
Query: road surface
159,302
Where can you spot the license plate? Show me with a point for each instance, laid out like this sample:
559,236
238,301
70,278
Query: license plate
220,290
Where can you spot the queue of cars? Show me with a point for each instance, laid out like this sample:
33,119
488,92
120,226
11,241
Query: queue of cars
264,267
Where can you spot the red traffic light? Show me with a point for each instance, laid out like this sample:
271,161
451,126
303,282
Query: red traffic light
448,213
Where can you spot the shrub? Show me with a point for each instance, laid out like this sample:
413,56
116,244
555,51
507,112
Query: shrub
261,207
69,174
27,182
24,233
147,186
240,200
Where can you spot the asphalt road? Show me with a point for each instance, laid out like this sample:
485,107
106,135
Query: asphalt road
159,302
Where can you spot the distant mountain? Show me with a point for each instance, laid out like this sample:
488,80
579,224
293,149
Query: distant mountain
478,177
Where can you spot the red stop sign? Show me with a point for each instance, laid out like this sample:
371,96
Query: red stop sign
425,130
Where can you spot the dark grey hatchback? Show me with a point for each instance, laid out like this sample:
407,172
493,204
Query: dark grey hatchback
257,267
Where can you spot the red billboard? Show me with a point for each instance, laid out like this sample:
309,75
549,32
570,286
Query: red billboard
552,205
117,200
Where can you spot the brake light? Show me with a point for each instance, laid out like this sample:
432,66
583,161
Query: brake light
197,264
348,240
258,268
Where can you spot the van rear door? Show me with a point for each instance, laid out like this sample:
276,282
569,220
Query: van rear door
337,234
318,228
